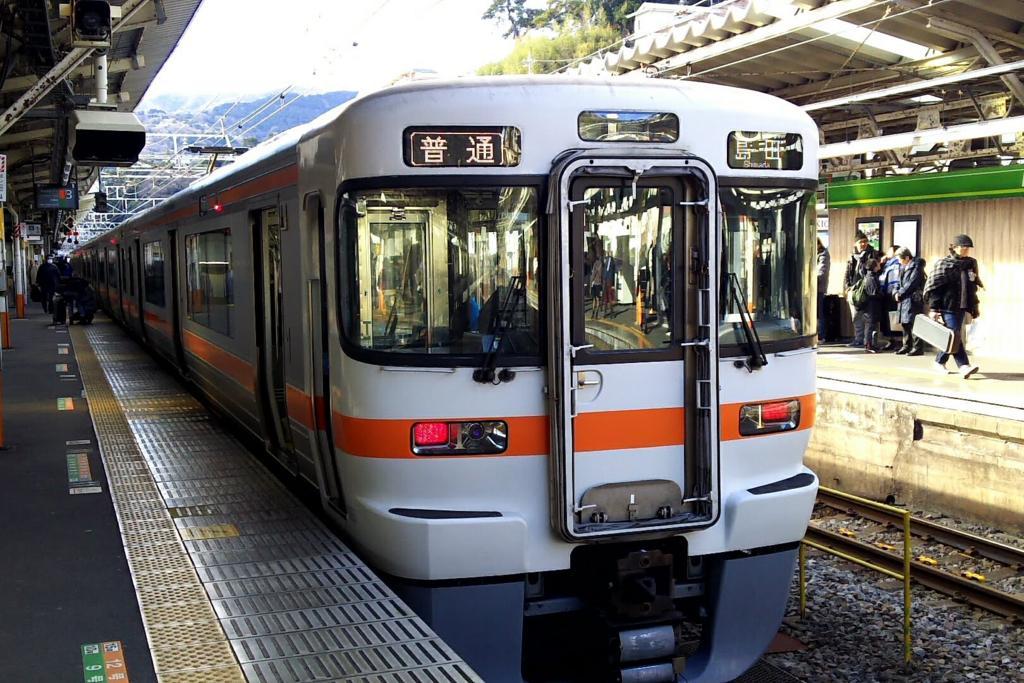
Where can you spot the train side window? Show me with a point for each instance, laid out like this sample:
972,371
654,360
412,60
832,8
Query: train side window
211,295
153,273
112,269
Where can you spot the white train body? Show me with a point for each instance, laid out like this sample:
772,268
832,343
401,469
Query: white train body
512,330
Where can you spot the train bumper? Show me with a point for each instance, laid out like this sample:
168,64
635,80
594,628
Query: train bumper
434,545
747,600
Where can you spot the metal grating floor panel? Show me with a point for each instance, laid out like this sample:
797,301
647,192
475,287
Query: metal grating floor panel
236,579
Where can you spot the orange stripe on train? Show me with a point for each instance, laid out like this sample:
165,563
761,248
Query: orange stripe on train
228,363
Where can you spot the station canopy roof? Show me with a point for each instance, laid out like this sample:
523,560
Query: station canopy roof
895,85
40,83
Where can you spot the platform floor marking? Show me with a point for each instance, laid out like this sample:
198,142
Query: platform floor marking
205,533
63,349
104,663
68,378
62,367
78,442
66,403
80,479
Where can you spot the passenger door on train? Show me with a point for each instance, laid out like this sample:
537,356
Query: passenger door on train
318,379
635,356
173,296
269,336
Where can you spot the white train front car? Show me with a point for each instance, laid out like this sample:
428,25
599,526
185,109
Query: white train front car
572,365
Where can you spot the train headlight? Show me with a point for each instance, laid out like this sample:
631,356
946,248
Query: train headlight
482,437
768,418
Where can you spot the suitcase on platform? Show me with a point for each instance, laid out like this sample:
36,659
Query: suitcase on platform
60,310
935,333
833,317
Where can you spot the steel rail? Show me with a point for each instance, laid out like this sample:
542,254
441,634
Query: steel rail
980,595
967,542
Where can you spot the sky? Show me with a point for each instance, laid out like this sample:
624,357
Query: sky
252,48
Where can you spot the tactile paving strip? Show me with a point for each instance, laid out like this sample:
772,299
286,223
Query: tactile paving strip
218,546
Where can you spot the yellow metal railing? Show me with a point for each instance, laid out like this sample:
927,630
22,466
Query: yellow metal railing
904,577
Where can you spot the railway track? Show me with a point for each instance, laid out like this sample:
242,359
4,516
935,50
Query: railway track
971,586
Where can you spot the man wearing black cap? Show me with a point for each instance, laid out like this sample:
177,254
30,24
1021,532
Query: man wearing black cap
952,293
856,268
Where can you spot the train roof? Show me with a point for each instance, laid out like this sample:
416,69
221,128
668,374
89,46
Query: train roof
451,98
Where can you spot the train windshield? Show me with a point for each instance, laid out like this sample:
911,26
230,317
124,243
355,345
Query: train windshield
442,271
769,246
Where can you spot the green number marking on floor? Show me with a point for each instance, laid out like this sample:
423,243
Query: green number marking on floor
62,367
104,663
65,403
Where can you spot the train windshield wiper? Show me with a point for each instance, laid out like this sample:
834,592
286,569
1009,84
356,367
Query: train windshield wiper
501,321
757,358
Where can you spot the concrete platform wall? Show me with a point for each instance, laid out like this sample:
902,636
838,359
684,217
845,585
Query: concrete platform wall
949,461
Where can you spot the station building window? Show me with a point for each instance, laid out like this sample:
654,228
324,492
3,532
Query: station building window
153,273
211,294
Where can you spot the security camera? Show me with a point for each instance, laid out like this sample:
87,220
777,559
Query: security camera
105,138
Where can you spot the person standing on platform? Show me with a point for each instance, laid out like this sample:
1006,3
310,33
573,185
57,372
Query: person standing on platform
874,305
910,300
890,281
855,271
48,277
824,265
64,267
951,293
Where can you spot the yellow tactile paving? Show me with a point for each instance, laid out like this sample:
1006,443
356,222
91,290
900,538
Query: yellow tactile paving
186,639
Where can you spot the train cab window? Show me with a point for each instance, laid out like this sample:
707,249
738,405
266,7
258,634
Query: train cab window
153,273
439,271
768,257
626,288
211,294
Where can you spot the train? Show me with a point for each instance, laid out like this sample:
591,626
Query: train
544,346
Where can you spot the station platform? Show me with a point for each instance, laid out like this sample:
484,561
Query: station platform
151,545
891,427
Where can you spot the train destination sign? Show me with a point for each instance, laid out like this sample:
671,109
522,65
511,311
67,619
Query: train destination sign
461,146
775,151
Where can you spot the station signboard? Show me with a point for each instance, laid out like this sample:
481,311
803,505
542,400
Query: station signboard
33,233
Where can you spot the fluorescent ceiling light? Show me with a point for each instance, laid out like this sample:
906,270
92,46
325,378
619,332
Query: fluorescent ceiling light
875,39
915,138
926,99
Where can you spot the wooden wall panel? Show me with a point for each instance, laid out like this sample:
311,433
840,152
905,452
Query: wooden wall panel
997,228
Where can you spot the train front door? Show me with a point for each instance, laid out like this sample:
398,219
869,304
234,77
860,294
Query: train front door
270,338
635,352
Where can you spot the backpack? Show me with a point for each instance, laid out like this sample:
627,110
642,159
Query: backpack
859,294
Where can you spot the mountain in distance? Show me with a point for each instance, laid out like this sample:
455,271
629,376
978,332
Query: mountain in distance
246,124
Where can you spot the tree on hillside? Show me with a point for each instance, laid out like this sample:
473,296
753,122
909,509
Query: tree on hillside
545,54
514,13
613,13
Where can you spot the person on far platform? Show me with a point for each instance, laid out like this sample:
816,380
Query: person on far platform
951,293
910,300
874,306
855,270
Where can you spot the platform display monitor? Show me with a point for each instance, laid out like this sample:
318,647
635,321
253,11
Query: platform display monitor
52,196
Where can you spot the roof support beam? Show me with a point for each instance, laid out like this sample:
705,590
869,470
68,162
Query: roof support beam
60,71
933,136
116,66
984,47
777,29
914,87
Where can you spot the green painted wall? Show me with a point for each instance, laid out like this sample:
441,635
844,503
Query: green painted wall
977,183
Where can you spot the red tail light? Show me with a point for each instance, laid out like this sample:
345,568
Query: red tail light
776,412
768,418
485,437
430,434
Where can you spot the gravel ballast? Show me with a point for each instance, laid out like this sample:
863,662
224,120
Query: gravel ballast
853,631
